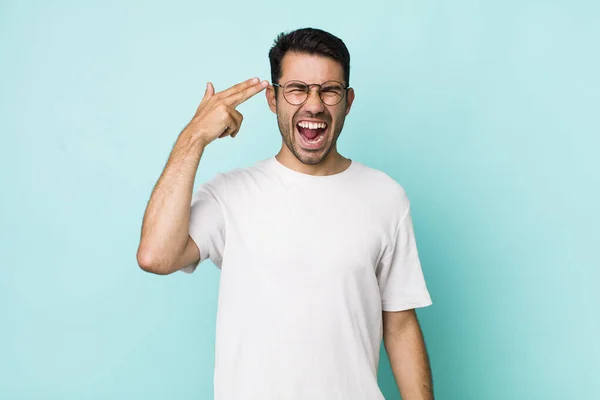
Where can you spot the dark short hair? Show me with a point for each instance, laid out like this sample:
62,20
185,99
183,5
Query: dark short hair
309,41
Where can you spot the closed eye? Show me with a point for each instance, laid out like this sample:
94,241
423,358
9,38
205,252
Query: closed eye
299,88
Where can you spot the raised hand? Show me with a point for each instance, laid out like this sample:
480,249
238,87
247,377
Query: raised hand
216,116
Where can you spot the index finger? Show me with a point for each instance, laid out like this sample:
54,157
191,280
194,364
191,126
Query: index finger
238,87
238,98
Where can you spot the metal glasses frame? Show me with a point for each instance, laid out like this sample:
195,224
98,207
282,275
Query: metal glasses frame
308,91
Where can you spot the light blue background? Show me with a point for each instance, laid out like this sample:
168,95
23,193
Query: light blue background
486,113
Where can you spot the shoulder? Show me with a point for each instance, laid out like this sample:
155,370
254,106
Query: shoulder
223,182
383,185
239,175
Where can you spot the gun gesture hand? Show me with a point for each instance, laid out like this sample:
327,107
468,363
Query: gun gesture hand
216,116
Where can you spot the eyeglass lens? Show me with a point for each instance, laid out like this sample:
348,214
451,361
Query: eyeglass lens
296,92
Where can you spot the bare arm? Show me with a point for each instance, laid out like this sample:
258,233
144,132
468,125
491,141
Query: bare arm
405,346
165,245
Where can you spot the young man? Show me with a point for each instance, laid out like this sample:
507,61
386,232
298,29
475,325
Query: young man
317,252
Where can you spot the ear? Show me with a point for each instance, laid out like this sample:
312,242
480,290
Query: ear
349,100
271,100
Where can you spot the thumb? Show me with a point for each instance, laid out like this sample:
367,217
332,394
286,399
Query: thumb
208,93
210,90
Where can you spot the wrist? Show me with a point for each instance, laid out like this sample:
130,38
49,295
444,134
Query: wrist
188,148
193,139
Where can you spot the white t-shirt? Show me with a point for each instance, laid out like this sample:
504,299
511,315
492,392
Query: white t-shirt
308,263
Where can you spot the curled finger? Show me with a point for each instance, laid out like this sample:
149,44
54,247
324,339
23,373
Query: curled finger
238,118
229,124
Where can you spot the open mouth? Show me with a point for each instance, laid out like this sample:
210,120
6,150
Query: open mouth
311,133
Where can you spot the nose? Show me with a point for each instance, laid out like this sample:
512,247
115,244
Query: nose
313,102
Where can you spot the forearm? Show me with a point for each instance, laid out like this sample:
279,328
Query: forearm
409,361
165,228
166,220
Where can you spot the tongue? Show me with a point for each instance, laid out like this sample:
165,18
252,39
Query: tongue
310,133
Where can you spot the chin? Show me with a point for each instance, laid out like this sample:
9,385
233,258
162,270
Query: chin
310,157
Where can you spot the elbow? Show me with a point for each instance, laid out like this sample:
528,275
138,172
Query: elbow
149,262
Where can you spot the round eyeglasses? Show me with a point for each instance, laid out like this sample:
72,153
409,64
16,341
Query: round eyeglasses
296,92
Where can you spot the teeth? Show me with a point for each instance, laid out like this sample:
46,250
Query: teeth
312,125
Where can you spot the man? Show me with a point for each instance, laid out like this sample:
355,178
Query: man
317,252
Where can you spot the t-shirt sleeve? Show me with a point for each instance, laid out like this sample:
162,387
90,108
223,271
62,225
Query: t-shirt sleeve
399,274
207,226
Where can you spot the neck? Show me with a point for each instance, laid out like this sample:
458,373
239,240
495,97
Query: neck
334,163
